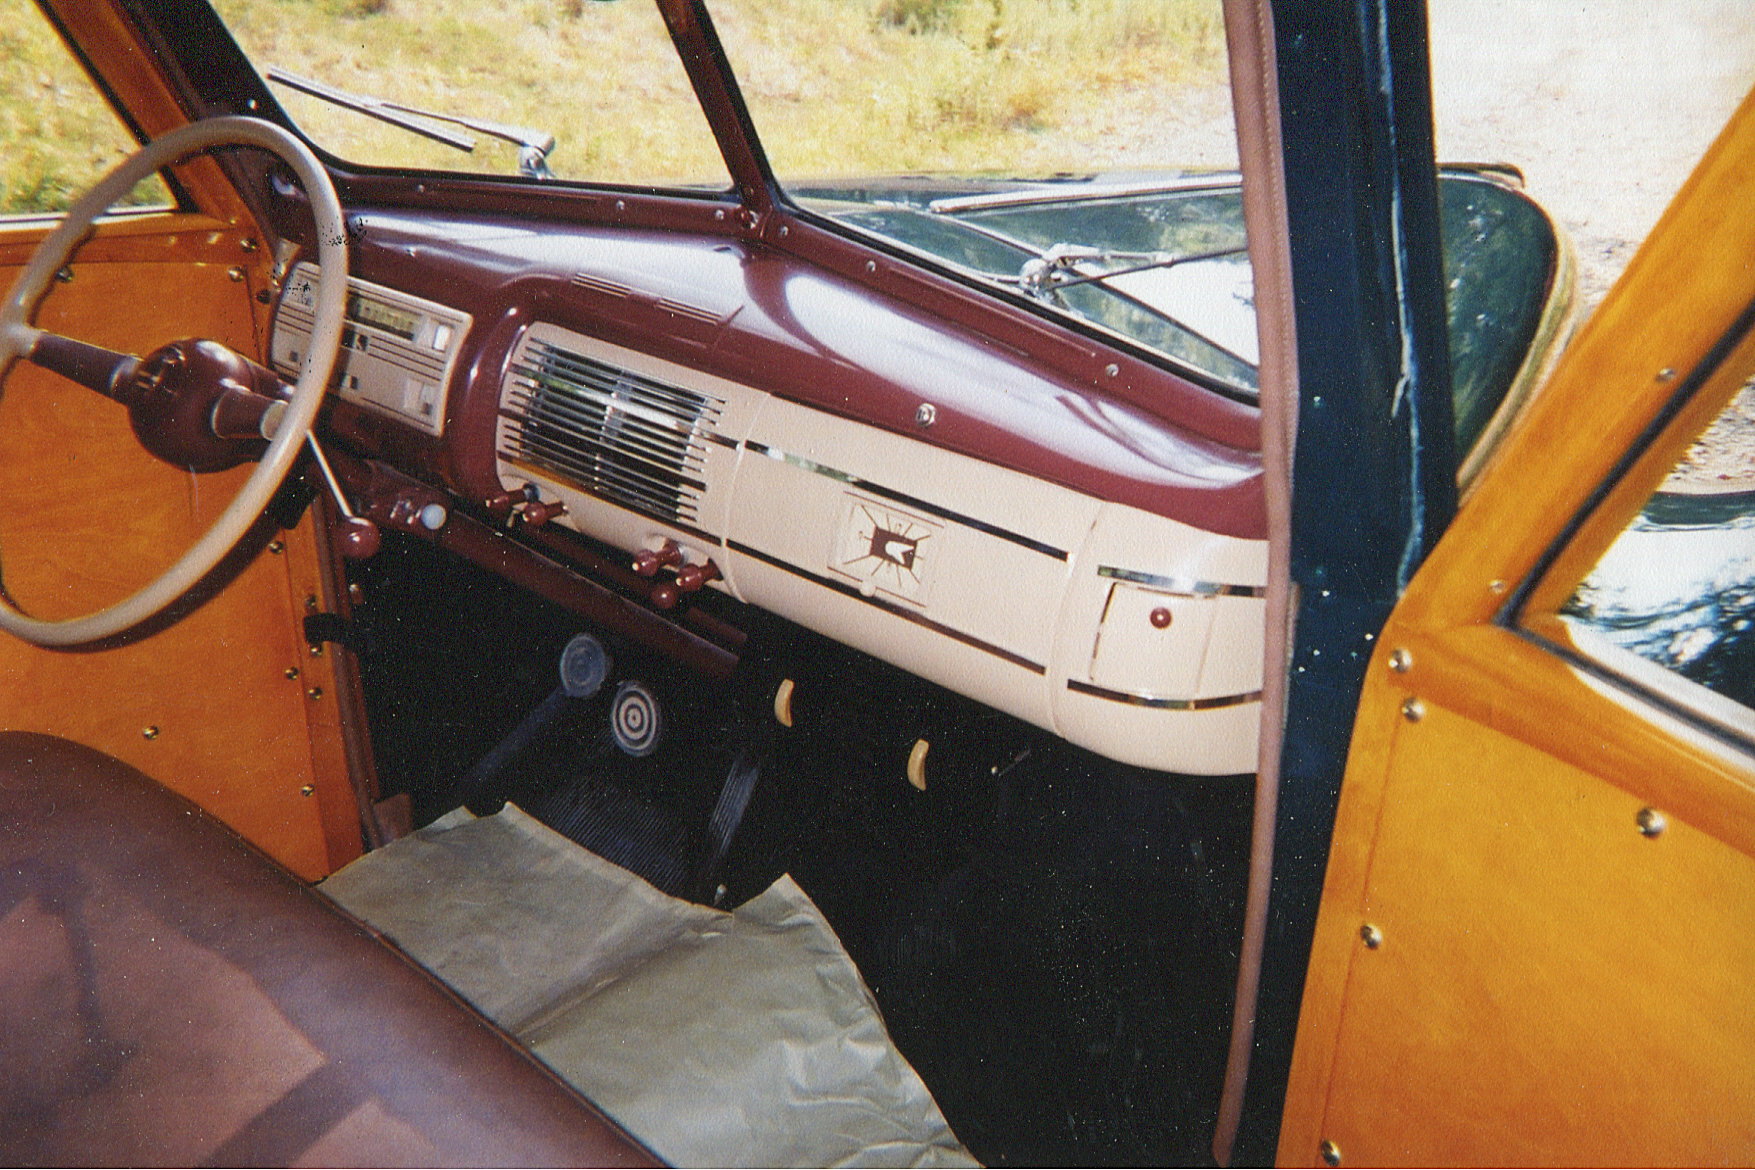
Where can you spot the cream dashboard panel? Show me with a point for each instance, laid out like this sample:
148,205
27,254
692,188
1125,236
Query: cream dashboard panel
1125,632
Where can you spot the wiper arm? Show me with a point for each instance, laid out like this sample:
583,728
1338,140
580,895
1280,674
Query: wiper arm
1042,276
533,145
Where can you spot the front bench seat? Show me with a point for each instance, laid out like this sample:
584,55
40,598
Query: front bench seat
169,996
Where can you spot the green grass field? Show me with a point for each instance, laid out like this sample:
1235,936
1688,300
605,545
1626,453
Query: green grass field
836,86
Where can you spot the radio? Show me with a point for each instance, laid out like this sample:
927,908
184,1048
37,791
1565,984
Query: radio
397,351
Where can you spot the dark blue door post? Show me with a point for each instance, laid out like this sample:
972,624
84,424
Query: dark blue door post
1374,475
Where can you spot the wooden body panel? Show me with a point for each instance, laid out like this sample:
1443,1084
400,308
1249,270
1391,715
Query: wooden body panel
1506,970
216,705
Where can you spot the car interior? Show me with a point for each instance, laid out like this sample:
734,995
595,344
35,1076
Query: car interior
729,532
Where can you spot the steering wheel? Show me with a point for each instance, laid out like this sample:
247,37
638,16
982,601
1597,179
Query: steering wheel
18,340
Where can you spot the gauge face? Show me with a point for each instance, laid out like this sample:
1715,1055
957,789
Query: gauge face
884,548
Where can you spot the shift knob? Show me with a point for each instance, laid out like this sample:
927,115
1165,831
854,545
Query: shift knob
360,538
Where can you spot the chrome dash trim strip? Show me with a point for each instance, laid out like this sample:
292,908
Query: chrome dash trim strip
888,607
1187,586
875,489
1136,699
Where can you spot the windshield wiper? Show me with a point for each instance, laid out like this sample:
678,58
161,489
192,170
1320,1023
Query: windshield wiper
1055,269
533,145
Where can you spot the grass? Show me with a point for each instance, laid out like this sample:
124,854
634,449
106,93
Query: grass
57,136
837,87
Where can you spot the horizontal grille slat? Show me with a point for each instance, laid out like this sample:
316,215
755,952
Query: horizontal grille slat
587,372
658,433
582,464
626,437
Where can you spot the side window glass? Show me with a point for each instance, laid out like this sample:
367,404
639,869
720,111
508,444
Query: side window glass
1676,589
57,133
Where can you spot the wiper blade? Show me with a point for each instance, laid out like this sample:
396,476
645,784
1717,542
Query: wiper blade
533,145
1056,269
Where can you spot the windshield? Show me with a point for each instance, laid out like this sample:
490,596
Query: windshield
845,88
1054,147
602,78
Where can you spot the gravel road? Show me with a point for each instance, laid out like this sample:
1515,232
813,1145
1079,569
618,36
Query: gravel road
1606,105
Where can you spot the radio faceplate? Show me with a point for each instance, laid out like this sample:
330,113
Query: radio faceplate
397,355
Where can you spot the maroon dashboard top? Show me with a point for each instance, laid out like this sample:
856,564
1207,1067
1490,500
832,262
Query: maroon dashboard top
802,313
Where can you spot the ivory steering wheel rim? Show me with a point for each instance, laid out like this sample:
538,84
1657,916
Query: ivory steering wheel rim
18,337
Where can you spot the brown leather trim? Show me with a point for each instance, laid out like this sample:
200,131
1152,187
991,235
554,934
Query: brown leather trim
1249,33
176,998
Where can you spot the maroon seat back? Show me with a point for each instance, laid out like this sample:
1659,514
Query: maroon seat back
169,996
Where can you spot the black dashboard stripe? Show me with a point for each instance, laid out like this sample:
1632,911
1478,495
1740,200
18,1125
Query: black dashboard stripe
918,619
875,489
1135,699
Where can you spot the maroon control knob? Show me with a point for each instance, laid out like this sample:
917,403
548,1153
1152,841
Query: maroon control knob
690,578
648,562
360,538
1161,618
537,513
664,595
502,504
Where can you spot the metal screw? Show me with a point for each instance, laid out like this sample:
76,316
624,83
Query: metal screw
1413,710
784,231
149,732
1496,585
64,275
1112,369
1401,661
1651,822
308,790
1666,374
276,547
1331,1153
292,672
236,274
314,693
720,215
621,204
925,414
248,243
1371,936
871,265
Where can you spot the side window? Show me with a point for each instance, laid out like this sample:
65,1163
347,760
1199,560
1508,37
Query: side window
1676,589
57,133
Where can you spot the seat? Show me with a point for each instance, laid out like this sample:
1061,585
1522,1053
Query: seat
168,995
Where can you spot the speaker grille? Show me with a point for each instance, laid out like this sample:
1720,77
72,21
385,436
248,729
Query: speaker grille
623,436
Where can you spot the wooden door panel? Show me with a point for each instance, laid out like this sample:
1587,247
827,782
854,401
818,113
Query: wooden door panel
223,705
1544,983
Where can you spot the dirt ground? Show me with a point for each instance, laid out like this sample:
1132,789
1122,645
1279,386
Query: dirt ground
1605,104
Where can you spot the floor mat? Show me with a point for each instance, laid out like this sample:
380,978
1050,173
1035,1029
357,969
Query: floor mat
719,1038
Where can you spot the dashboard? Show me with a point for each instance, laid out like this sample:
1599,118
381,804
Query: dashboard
713,415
